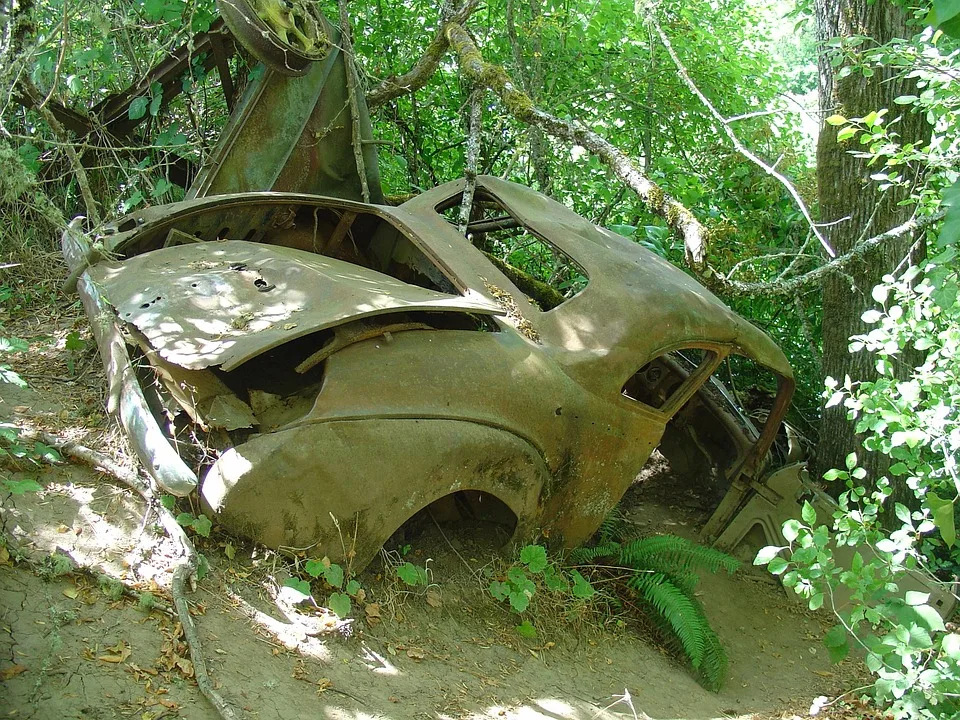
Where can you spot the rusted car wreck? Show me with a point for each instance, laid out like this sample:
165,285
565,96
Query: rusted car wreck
310,360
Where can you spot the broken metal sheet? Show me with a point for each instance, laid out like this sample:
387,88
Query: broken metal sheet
223,303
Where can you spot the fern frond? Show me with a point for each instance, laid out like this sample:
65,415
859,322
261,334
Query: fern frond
713,666
613,528
672,554
676,608
584,555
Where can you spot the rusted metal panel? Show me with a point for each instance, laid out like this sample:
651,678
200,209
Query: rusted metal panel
223,303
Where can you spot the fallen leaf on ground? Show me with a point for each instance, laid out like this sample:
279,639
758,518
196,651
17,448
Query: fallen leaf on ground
12,671
71,592
416,654
117,653
433,598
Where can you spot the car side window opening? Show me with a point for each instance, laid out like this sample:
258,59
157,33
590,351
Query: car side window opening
658,382
710,433
539,269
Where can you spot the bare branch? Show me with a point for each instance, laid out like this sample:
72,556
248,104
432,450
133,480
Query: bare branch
480,73
33,93
420,74
801,283
740,147
346,41
473,151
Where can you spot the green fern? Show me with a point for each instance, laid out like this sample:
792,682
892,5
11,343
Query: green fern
664,578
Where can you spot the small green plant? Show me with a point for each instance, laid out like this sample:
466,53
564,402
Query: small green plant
532,573
344,589
200,524
663,577
413,575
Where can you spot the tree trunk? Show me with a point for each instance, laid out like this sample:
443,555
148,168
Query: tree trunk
850,200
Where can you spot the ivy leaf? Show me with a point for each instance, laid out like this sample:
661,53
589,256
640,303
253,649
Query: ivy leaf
353,587
411,574
138,107
942,511
534,557
340,604
315,568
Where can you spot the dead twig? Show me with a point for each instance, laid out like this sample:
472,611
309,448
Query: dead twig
185,571
739,146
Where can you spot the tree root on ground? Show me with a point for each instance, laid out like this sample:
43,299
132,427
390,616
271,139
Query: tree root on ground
185,571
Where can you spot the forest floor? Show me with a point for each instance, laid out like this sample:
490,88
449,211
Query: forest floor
73,646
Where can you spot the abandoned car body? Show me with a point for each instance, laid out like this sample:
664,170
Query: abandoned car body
399,364
329,367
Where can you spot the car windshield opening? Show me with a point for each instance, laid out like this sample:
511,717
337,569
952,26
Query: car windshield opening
542,271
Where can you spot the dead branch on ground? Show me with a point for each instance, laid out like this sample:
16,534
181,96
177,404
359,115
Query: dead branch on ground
185,571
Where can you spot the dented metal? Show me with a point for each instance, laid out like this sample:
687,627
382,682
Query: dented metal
330,367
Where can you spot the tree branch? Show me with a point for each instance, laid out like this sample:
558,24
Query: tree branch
480,73
350,66
790,288
739,146
420,74
473,151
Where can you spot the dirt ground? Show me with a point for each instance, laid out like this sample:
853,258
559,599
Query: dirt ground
76,644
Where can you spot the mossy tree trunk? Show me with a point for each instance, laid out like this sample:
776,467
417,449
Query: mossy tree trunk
854,207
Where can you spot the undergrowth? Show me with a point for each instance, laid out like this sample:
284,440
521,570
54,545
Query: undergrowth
662,573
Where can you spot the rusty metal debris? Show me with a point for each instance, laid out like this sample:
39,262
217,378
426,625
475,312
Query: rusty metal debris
348,364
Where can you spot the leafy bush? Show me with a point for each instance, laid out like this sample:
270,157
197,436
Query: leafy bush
916,422
664,578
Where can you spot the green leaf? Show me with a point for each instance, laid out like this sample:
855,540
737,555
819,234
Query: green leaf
412,575
816,601
315,568
846,133
836,120
21,487
340,604
951,646
13,345
912,597
766,554
942,511
168,501
138,107
202,525
534,557
851,461
581,586
353,587
185,519
334,576
499,590
777,566
790,530
519,601
808,514
836,643
527,630
301,586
